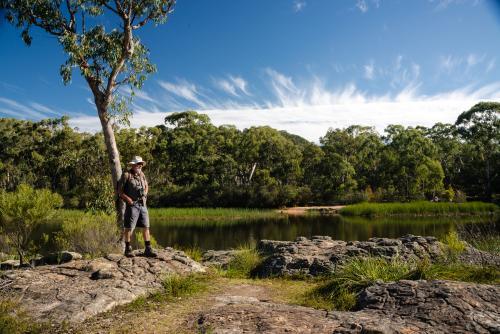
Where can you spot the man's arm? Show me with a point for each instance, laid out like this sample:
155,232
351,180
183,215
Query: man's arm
121,194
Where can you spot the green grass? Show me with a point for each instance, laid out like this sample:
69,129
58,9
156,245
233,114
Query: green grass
212,213
243,264
173,287
194,252
483,237
421,208
339,291
455,246
14,320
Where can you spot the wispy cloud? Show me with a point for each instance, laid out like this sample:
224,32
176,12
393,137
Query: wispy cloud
491,65
310,108
362,5
299,5
370,70
452,64
20,110
233,85
185,90
443,4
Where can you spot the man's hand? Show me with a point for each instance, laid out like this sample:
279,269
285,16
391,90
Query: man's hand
129,201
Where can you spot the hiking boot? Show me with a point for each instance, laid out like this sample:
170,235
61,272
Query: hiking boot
149,252
128,252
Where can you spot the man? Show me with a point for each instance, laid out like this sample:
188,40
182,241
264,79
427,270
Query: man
133,189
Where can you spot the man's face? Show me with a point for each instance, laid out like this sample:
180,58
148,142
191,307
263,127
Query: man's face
137,168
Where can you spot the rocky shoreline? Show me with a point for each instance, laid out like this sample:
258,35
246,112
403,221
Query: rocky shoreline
80,289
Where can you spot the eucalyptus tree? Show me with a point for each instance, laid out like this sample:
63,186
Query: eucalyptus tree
480,127
98,37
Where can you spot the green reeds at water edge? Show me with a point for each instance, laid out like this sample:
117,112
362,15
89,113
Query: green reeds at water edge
420,208
212,213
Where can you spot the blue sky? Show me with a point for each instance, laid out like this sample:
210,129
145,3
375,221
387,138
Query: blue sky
297,65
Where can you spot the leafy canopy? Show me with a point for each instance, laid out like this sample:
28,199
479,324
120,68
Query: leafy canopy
97,36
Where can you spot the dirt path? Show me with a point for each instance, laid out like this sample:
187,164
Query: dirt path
179,316
303,210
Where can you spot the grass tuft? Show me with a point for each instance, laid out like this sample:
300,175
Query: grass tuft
341,289
244,263
14,320
455,246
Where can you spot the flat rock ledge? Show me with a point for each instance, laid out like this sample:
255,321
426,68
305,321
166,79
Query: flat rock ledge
322,255
408,307
77,290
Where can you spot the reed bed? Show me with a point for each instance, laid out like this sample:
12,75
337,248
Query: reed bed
420,208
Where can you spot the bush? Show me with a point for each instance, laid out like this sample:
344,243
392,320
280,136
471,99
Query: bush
448,195
460,197
455,246
22,211
89,234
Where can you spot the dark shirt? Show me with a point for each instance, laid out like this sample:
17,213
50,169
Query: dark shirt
130,184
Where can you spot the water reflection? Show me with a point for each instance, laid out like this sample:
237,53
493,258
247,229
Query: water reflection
217,236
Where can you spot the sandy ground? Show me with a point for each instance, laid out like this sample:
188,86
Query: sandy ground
303,210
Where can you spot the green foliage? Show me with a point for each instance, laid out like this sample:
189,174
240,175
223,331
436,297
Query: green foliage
480,127
176,286
340,290
211,213
448,195
194,252
419,208
456,271
89,234
454,246
483,237
22,211
244,263
192,162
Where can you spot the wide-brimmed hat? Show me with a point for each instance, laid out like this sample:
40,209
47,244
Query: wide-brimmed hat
137,160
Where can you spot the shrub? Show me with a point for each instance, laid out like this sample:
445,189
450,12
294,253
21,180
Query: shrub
244,263
448,195
460,197
22,211
89,234
455,246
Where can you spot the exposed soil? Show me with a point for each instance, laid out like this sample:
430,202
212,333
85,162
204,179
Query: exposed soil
304,210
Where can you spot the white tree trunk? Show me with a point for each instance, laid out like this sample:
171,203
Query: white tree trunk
113,158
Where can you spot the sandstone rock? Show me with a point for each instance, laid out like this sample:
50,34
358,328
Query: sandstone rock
218,258
9,264
385,308
322,255
57,258
453,307
79,289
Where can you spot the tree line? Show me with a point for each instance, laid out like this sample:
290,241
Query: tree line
191,162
